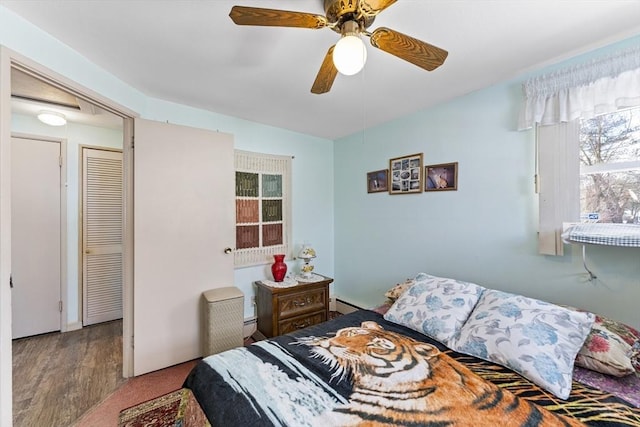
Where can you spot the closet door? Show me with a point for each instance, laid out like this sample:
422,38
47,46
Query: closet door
36,239
102,207
184,218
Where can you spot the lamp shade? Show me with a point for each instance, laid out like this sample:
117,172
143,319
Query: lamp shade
349,55
52,118
307,252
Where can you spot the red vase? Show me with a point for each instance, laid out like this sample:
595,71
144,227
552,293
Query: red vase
279,268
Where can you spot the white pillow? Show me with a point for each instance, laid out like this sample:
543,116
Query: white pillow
434,306
537,339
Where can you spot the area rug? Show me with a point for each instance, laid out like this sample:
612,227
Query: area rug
178,408
135,391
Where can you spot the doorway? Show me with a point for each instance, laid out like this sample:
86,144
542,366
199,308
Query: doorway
12,61
186,237
86,125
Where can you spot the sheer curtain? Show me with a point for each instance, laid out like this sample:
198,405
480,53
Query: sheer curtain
600,86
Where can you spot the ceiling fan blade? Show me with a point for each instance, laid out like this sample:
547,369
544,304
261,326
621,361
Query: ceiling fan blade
242,15
326,75
419,53
373,7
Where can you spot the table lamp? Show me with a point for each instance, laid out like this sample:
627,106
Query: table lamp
307,253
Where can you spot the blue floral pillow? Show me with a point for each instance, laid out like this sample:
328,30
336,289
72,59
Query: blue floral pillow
434,306
537,339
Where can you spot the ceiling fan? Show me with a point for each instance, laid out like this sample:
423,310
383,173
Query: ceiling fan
350,18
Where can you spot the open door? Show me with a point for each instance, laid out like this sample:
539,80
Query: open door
183,221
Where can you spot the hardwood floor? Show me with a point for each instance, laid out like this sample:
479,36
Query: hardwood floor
58,377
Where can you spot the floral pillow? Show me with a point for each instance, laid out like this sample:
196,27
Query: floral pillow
436,307
399,289
609,348
635,357
537,339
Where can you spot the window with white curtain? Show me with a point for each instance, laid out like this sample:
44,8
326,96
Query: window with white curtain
560,105
263,207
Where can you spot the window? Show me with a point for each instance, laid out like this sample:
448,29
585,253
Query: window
606,183
610,168
263,207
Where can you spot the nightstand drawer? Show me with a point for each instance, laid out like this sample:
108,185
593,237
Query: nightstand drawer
282,310
301,322
302,302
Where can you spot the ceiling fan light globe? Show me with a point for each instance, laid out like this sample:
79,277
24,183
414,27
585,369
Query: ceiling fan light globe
349,55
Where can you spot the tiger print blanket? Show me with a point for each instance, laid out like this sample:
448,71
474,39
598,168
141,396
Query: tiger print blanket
359,369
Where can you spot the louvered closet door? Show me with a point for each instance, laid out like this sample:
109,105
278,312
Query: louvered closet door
101,235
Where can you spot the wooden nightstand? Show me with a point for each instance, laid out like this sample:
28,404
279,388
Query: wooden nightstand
284,310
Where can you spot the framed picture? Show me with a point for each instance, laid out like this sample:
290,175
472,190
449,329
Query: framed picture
406,174
441,177
378,181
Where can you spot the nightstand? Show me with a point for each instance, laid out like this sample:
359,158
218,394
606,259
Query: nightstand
284,310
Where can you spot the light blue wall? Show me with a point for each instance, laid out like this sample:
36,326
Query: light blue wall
312,171
485,232
75,136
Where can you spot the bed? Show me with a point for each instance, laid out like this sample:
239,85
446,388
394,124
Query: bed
367,368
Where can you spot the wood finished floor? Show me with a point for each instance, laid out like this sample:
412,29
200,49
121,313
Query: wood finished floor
58,377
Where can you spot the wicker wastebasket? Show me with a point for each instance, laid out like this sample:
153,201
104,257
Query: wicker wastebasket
223,318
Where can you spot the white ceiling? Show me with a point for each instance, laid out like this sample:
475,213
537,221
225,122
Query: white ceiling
190,52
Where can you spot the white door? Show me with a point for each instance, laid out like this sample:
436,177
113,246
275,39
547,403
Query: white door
102,207
35,236
183,220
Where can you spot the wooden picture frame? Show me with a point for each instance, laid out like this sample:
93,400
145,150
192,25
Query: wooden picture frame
406,174
441,177
378,181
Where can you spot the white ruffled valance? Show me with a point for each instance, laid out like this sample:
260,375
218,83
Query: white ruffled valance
601,86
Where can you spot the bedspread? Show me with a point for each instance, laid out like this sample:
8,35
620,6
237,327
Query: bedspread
361,369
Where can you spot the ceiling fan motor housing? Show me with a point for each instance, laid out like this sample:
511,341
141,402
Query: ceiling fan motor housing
338,12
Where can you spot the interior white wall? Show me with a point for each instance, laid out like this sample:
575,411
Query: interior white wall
75,135
486,232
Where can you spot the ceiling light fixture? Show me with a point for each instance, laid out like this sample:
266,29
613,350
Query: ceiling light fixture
350,54
52,118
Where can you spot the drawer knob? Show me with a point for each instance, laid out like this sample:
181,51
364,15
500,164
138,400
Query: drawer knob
301,325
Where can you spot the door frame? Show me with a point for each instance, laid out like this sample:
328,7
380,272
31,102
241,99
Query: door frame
64,326
9,59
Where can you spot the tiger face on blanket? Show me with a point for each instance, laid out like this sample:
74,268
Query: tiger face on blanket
398,381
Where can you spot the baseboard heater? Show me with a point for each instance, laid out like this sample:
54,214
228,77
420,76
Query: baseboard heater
345,307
